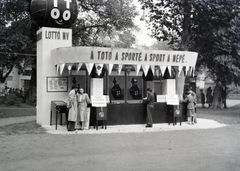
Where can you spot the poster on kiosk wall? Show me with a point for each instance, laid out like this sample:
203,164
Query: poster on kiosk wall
161,98
172,99
99,101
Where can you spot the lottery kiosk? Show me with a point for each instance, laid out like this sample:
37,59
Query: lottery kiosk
116,79
122,76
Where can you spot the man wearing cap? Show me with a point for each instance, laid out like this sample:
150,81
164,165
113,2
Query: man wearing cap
150,107
73,108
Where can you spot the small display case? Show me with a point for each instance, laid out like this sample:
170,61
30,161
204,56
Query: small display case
59,107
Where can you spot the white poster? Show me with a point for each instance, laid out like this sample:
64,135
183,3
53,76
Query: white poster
172,99
98,101
161,98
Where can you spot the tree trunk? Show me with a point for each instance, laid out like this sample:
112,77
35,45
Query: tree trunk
31,94
180,81
4,77
217,97
186,26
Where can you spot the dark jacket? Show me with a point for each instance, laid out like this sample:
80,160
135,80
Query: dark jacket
150,99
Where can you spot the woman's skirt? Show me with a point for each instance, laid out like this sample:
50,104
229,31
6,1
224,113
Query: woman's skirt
190,112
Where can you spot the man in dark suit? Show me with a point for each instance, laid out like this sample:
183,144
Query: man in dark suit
150,107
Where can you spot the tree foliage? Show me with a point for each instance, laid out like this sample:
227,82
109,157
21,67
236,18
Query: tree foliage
102,20
97,22
19,37
209,27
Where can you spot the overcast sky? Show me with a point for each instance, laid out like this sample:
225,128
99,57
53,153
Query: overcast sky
142,36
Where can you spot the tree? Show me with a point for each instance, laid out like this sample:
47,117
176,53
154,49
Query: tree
18,40
103,20
161,45
97,20
202,26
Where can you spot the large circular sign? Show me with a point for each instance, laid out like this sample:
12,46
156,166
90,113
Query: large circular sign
54,13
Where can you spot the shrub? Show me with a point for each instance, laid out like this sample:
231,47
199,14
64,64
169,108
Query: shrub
12,99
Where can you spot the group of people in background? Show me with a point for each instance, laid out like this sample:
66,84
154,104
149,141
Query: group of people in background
9,90
209,97
78,115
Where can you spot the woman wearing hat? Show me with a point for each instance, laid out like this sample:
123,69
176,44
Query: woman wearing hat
190,106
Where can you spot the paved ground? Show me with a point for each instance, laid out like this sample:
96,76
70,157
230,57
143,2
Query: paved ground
215,149
187,150
202,124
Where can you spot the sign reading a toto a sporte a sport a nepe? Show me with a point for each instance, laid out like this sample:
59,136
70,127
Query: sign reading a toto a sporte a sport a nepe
123,56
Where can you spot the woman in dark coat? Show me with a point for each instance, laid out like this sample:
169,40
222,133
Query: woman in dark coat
202,98
209,96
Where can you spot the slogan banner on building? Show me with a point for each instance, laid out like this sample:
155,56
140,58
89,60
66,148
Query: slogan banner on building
145,59
123,56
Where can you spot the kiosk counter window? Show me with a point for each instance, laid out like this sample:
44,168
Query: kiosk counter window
125,88
135,89
117,87
79,78
126,91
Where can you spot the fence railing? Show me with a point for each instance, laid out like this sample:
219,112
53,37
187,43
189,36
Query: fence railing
234,96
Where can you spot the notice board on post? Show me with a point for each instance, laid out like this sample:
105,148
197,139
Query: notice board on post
99,101
172,99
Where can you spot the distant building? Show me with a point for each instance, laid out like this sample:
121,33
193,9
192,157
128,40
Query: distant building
20,81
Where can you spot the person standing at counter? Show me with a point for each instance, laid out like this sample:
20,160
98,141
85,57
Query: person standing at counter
83,101
73,108
190,106
150,107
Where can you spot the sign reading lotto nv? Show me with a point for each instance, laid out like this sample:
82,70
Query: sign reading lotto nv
123,56
54,34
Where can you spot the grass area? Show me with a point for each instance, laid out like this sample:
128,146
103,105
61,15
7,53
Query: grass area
226,116
22,128
17,111
22,105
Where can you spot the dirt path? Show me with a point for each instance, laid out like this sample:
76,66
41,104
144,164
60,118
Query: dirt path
13,120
